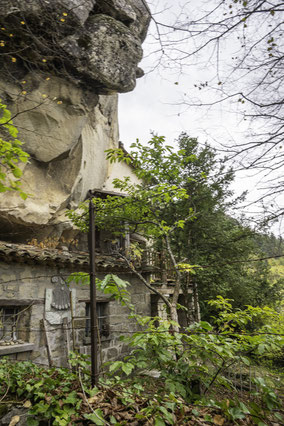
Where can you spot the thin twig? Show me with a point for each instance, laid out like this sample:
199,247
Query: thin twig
86,399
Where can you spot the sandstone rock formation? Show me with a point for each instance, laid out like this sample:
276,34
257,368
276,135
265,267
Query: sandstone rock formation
63,63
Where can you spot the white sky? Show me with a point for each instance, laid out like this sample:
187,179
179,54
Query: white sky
152,106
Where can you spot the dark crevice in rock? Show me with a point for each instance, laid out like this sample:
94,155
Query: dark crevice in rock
105,8
60,157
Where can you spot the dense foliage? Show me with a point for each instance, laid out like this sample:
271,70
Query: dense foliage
183,205
11,154
194,371
143,209
215,240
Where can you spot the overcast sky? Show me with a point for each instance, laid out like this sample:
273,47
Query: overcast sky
154,106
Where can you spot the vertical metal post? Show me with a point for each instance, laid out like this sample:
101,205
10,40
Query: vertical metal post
93,297
72,321
127,240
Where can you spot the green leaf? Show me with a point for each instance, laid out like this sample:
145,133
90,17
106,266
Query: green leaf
244,408
261,348
106,281
10,154
159,421
17,172
115,366
96,417
127,368
121,283
278,416
245,360
236,413
72,398
94,391
206,326
32,422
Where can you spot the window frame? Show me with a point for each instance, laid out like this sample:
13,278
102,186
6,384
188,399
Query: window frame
5,320
103,319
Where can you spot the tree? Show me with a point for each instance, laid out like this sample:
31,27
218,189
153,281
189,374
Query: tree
243,40
144,209
181,207
11,154
219,243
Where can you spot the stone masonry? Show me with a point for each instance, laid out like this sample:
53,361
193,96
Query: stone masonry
29,274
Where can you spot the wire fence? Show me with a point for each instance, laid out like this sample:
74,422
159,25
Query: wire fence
236,375
171,332
240,377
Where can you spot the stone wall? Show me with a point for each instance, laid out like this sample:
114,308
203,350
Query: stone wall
27,286
119,323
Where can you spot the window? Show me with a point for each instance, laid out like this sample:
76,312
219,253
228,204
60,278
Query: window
103,325
15,322
8,322
14,328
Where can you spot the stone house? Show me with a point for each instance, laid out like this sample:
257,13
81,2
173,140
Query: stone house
42,319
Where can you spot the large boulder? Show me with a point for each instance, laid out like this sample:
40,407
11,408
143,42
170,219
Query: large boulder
66,140
52,115
90,42
62,64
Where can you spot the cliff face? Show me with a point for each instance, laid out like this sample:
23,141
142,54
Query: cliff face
63,63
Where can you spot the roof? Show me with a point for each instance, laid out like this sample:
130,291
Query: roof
103,192
79,260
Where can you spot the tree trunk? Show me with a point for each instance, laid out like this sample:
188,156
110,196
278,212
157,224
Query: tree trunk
174,316
196,302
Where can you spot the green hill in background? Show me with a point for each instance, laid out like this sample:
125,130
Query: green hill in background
277,269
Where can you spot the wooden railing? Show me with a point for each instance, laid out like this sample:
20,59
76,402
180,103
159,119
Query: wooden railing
161,264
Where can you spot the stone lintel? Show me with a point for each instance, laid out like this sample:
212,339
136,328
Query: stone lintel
21,302
98,299
13,349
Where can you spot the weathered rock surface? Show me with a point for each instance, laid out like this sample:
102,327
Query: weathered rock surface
109,52
57,112
78,9
134,13
64,62
67,144
16,416
92,42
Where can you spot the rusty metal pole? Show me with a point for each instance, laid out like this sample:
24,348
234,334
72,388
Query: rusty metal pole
93,297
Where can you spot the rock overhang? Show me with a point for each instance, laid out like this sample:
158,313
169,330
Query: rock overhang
92,43
63,63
